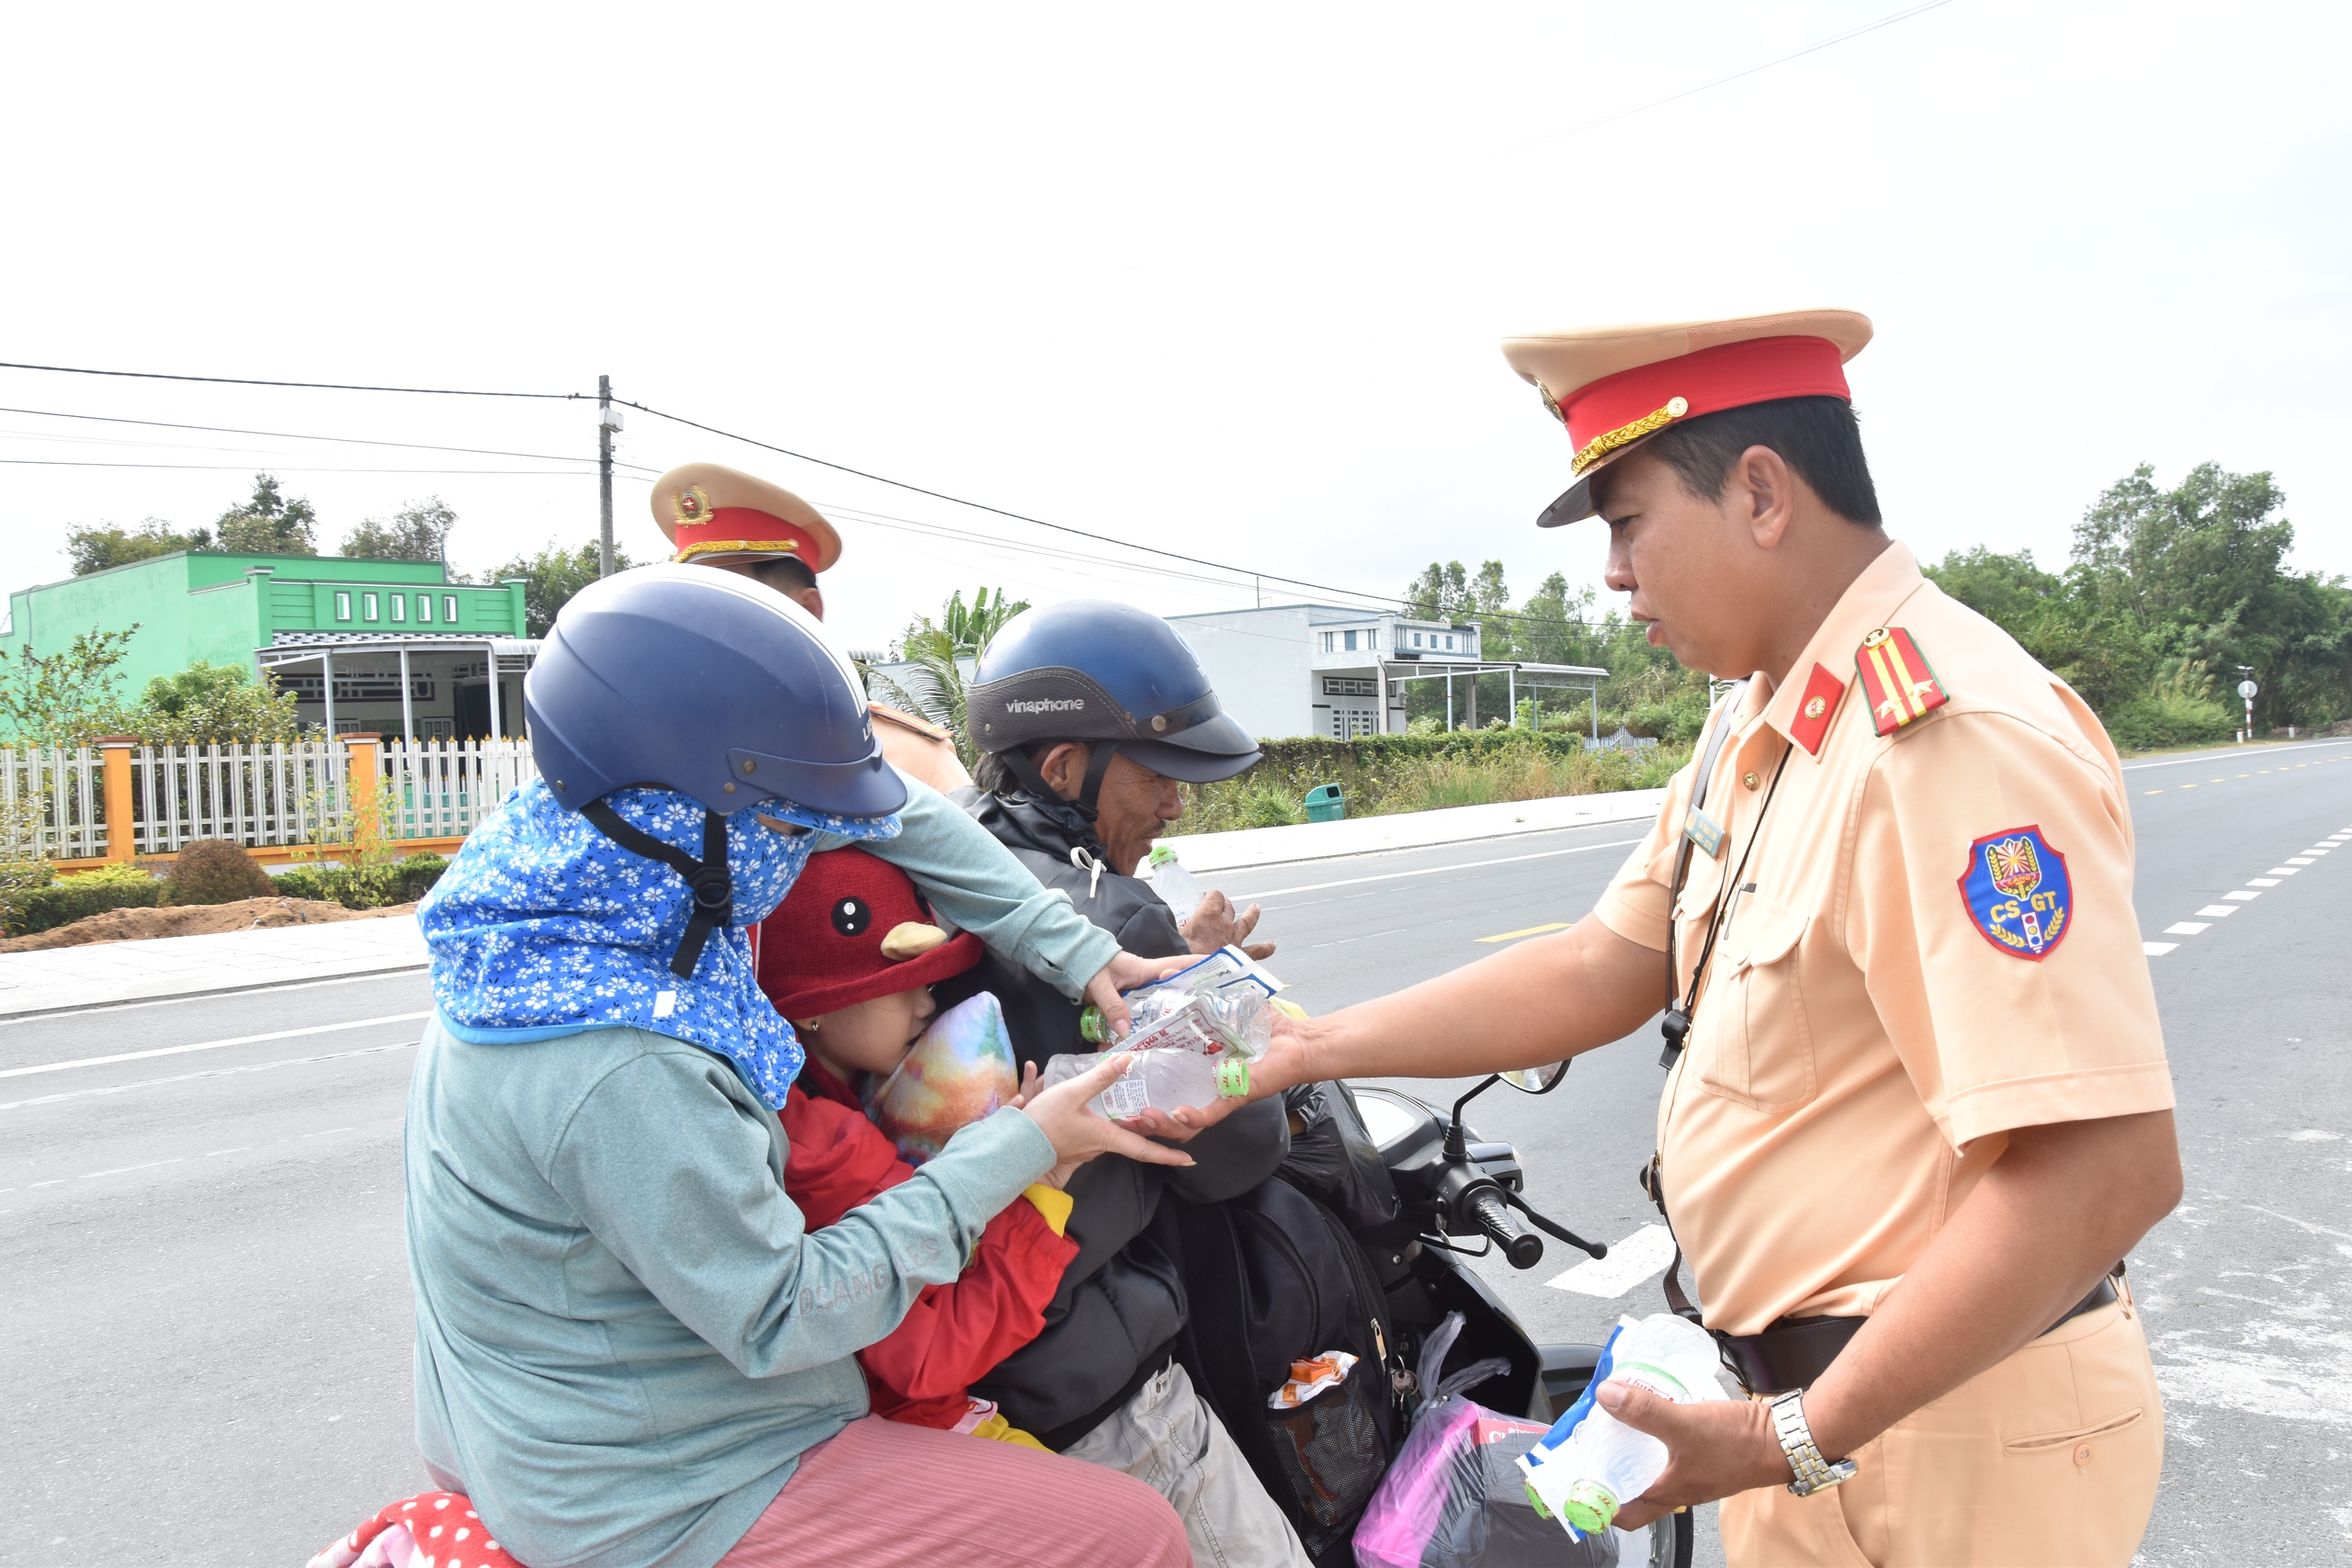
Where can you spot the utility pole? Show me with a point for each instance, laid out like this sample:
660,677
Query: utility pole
608,419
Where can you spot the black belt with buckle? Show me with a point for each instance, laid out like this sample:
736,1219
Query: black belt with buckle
1795,1351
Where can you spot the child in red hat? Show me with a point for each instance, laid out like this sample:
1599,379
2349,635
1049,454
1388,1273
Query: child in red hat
849,958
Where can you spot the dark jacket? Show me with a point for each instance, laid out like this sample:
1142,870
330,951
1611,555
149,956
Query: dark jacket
1122,1299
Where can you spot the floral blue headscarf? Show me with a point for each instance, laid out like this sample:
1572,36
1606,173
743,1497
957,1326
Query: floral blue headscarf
543,926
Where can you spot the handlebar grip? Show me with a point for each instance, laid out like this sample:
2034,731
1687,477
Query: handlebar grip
1494,1217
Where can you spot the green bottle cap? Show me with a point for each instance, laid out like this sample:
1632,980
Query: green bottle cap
1162,854
1589,1506
1091,1026
1233,1077
1536,1503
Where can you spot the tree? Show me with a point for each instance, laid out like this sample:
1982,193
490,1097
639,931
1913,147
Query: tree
418,531
940,651
1440,594
94,548
1551,625
207,704
269,523
67,698
551,576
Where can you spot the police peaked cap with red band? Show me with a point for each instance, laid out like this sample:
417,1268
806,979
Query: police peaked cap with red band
1614,388
714,514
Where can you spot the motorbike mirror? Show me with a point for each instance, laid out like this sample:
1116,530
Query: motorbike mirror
1536,1080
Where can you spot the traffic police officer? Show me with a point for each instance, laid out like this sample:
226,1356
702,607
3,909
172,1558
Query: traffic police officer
1918,1106
720,517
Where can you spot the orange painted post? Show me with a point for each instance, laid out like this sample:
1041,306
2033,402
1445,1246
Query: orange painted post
121,835
366,777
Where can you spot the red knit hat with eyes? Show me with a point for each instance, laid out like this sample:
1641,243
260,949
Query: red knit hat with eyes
852,929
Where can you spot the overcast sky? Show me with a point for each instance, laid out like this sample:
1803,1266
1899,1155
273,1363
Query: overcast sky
1225,279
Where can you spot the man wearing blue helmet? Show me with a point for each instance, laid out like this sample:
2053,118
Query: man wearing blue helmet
1088,715
630,1350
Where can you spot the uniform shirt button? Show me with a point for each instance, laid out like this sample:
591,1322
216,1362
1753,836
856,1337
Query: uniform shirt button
1750,779
2082,1454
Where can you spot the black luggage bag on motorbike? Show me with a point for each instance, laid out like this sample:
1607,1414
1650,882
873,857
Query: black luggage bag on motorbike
1274,1276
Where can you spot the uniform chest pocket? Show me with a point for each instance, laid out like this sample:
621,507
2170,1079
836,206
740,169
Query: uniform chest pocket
1756,1041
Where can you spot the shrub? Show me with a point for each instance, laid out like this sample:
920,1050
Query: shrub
128,872
215,871
63,903
1385,773
364,886
2179,710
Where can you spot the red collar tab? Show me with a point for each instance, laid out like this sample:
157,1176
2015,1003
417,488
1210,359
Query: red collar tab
1618,410
733,528
1896,679
1810,728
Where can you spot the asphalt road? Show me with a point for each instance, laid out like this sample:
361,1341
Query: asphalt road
206,1321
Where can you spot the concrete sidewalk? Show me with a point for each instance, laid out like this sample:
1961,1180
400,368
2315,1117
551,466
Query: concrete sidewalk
104,973
1408,830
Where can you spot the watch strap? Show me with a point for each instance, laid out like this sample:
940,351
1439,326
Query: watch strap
1812,1471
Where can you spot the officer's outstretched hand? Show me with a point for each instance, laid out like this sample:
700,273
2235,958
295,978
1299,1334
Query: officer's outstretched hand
1714,1449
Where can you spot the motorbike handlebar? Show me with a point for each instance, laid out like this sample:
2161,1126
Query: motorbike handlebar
1494,1217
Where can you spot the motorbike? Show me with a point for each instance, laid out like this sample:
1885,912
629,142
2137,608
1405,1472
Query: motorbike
1462,1197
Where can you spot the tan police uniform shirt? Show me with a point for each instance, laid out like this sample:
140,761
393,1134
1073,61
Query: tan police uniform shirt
1863,1041
919,748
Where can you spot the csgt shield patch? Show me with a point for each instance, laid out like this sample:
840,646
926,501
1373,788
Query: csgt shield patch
2018,893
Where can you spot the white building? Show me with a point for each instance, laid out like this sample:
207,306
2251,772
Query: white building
1321,670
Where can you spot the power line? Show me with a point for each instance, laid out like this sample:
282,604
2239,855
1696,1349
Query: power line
1886,21
297,436
1000,512
280,467
312,386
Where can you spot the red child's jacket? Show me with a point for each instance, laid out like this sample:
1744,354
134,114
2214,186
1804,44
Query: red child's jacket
954,1333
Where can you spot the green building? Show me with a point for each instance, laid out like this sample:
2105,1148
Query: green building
388,646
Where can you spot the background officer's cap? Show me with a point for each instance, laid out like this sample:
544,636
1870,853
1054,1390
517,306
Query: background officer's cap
711,512
1614,388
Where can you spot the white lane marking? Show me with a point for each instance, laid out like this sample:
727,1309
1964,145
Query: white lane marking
2207,757
2157,948
2286,870
2262,882
330,1133
2301,860
2313,1136
216,1154
2242,896
214,1045
1646,1252
2185,927
2219,909
214,1073
206,996
126,1170
1433,870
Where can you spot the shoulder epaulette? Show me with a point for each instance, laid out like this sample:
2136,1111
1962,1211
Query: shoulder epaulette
1896,680
904,720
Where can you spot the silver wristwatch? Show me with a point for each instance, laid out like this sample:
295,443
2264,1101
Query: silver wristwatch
1814,1473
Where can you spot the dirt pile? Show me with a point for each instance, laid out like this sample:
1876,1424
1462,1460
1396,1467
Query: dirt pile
199,920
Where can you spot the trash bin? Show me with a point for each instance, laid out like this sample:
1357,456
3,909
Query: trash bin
1325,804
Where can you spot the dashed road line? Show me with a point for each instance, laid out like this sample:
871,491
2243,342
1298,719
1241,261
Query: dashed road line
212,1044
2238,898
1529,931
213,1072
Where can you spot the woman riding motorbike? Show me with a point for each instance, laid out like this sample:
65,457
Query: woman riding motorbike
630,1351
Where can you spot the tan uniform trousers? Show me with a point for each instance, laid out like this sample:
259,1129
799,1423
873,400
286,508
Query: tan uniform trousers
2049,1458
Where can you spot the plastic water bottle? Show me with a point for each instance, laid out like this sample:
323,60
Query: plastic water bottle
1590,1464
1178,888
1159,1080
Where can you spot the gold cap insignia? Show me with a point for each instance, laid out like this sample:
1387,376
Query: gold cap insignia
693,506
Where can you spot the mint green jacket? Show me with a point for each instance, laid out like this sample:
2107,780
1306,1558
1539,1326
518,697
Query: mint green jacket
625,1339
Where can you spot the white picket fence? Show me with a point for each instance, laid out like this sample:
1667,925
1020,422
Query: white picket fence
439,789
52,800
50,803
